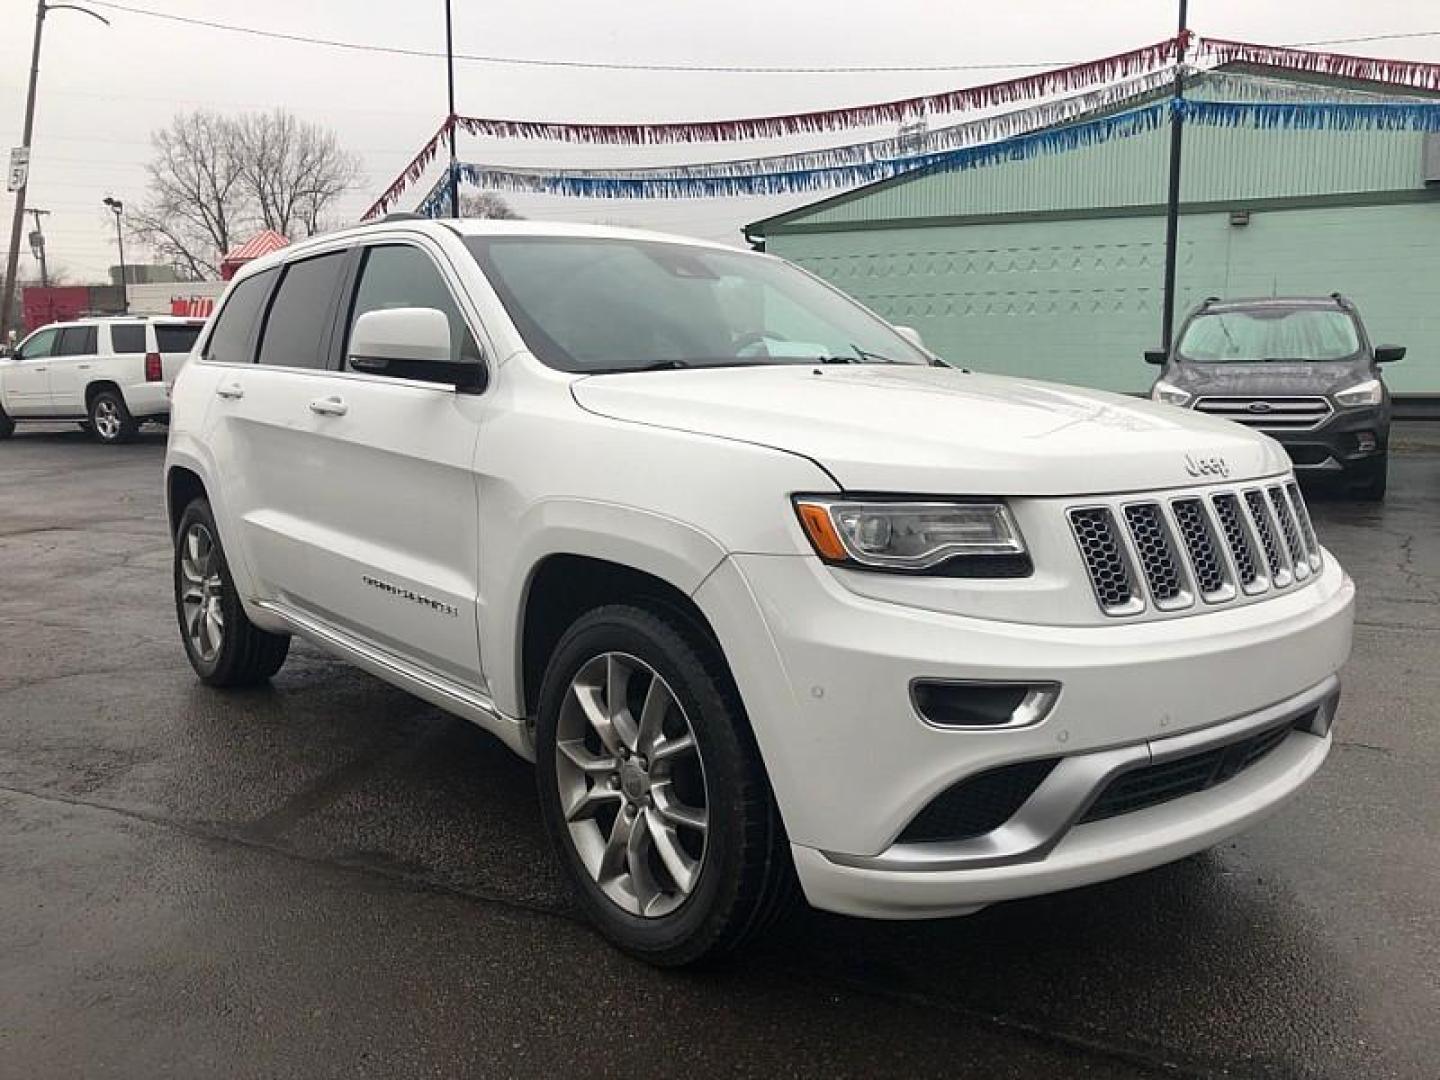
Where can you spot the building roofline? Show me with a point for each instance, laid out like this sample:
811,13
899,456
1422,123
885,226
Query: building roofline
758,230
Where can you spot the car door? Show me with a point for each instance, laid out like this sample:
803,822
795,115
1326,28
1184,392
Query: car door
76,353
27,375
391,525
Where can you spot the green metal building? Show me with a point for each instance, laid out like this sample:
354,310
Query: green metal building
1052,267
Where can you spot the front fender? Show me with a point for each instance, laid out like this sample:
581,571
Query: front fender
672,550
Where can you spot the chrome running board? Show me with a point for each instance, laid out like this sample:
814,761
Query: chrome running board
449,695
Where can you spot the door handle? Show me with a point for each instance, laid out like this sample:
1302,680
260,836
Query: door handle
234,391
329,406
82,367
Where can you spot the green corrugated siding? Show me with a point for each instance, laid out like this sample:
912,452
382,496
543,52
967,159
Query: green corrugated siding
1220,165
1078,300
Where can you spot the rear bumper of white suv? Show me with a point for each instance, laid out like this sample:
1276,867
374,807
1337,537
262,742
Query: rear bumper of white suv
826,677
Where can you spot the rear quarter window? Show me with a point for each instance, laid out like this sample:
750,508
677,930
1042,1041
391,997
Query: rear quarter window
232,340
127,339
175,337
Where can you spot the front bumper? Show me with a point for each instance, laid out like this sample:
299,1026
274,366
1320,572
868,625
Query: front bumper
1349,443
825,677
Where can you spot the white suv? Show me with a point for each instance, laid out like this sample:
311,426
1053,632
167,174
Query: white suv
111,375
769,595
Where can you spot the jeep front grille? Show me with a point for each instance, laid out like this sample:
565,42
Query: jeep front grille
1221,546
1269,413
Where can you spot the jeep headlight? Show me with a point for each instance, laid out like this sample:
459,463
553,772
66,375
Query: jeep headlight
964,539
1169,393
1368,392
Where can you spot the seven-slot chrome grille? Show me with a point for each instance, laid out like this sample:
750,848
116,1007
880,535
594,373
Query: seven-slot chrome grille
1172,552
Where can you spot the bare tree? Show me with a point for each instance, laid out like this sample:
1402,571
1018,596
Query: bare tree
215,179
293,171
486,204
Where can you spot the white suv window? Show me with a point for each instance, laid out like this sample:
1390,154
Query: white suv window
76,341
295,329
127,337
397,275
231,340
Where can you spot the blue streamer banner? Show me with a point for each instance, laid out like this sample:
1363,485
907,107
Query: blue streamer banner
771,177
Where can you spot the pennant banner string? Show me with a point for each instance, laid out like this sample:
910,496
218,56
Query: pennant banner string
672,183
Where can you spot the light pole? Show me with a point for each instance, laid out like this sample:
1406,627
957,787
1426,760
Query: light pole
1172,199
450,83
17,223
118,208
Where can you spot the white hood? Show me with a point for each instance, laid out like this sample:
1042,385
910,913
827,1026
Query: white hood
942,431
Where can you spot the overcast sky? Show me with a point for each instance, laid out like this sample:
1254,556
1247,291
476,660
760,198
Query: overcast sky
103,90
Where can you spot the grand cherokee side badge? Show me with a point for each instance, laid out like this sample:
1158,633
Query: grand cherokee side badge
1207,466
410,594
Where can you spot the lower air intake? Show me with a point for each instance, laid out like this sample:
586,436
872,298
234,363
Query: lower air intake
977,804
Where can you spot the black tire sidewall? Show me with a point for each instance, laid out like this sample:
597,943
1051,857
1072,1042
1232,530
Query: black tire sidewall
679,658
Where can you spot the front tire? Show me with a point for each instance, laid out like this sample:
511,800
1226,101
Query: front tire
7,425
1372,489
224,647
110,420
653,790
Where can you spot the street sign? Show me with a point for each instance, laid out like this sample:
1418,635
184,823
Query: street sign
19,168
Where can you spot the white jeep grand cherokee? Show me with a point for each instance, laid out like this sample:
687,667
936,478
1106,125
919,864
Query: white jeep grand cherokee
769,595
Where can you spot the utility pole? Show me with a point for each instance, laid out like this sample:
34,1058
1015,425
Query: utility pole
37,245
1172,203
12,258
450,77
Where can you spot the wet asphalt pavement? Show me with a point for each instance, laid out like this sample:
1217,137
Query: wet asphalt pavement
330,878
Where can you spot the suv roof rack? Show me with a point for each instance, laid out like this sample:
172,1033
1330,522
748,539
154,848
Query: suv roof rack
402,215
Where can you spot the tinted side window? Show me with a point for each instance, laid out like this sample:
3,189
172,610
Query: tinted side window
41,343
396,276
300,313
235,325
129,338
76,341
175,337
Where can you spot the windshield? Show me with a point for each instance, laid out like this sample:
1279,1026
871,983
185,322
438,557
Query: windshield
1270,334
603,305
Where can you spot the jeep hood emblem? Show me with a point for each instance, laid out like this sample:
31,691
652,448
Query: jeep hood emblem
1214,465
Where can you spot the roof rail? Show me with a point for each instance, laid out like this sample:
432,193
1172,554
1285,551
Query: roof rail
402,215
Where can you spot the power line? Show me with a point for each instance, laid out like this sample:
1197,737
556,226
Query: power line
599,65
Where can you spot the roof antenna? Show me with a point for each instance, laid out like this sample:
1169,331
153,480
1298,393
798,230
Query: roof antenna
1274,286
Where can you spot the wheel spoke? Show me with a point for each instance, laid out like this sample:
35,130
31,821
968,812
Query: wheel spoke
590,802
592,765
652,714
676,812
670,749
588,697
683,870
637,861
614,861
617,686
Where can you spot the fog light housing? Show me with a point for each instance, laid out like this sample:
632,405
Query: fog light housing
965,705
1365,442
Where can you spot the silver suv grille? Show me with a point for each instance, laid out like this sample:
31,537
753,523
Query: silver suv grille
1170,552
1269,413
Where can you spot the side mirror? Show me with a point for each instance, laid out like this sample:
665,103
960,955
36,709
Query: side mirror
910,334
1156,357
1388,354
410,343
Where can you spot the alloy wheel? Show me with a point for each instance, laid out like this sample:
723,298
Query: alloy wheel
200,595
632,785
107,419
